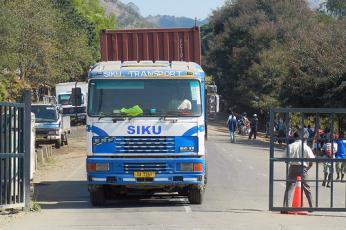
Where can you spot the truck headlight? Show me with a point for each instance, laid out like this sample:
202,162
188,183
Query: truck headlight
191,167
188,167
97,167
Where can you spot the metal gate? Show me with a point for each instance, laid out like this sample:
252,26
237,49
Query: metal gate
316,127
15,153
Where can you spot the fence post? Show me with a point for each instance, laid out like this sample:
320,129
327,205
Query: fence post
271,162
27,145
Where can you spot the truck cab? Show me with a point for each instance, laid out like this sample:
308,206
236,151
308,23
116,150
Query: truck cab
51,127
146,128
77,114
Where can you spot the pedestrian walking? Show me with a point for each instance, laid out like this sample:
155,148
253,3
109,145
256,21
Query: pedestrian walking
328,151
253,127
232,126
281,127
341,154
298,149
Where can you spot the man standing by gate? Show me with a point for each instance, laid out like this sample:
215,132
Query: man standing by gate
298,149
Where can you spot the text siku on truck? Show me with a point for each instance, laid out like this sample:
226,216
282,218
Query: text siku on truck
146,119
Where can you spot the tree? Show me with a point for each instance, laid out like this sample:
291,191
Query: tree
337,7
44,42
243,34
94,13
265,53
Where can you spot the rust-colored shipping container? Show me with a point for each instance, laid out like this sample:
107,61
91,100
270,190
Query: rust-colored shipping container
178,44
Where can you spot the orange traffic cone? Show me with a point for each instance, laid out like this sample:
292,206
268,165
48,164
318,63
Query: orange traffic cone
297,199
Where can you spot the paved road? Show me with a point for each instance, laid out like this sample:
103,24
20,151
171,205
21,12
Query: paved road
236,197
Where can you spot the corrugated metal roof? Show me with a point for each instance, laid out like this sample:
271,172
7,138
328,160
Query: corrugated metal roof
176,44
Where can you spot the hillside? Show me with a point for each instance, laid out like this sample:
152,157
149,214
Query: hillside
127,15
167,21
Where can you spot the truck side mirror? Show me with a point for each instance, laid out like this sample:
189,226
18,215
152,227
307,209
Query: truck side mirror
76,96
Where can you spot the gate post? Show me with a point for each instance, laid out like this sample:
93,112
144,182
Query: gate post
27,144
271,163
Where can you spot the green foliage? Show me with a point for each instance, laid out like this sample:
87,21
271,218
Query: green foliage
11,87
337,7
94,13
44,42
266,53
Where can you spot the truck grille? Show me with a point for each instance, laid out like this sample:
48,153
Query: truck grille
42,132
144,144
153,167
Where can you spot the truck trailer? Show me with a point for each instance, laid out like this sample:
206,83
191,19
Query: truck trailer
146,124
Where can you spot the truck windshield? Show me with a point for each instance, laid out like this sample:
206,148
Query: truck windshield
44,113
64,99
144,97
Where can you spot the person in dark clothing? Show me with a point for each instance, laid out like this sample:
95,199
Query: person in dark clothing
253,127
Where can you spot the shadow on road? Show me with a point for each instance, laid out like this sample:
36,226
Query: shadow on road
74,195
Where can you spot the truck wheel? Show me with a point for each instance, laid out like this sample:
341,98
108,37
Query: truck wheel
97,197
196,196
62,140
57,144
65,140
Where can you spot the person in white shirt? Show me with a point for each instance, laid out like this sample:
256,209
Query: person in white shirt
328,150
180,105
298,168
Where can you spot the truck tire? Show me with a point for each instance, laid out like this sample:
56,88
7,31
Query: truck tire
57,144
196,196
62,140
97,197
65,140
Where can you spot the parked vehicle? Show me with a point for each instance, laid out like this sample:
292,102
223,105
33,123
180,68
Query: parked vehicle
213,101
63,93
51,127
146,126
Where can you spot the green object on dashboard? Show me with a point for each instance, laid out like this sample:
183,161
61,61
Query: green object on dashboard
134,111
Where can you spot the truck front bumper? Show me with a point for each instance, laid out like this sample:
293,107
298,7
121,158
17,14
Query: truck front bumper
79,117
166,171
43,138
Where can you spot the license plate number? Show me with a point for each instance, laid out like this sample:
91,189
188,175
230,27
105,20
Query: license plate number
144,174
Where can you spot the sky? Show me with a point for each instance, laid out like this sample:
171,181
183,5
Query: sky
187,8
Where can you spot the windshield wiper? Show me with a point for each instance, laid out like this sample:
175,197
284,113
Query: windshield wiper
115,117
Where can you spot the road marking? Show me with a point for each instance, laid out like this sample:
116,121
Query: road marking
187,207
239,160
250,167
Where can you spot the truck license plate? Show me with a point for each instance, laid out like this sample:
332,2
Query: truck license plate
144,174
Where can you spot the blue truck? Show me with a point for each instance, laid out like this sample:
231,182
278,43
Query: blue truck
146,130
